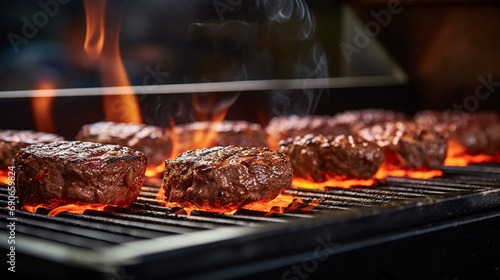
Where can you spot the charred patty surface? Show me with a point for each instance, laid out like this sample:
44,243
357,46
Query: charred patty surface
408,145
74,172
13,140
155,142
479,132
291,126
222,179
319,158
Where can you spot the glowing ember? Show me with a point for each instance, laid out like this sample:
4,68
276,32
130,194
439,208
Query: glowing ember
388,170
105,51
31,209
41,107
331,183
4,176
70,208
458,155
156,171
278,205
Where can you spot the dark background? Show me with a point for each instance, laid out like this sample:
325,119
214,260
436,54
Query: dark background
443,46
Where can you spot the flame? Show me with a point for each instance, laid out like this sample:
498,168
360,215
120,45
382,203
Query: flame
277,205
4,177
74,208
282,203
70,208
331,183
458,155
105,51
389,170
155,171
31,209
41,107
94,38
206,111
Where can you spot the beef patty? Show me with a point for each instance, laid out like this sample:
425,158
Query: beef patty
13,140
73,172
155,142
479,132
358,119
222,179
207,134
408,145
291,126
319,158
344,123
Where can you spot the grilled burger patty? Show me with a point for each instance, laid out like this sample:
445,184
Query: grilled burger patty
479,132
319,158
222,179
344,123
356,120
209,134
155,142
13,140
73,172
408,145
291,126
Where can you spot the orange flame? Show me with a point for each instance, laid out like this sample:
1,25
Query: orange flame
94,38
70,208
206,111
331,183
388,170
105,50
155,171
458,155
277,205
4,177
41,107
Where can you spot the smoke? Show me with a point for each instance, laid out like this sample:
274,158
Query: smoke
290,18
249,40
292,21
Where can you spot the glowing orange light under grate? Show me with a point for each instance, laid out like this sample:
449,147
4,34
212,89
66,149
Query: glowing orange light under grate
458,156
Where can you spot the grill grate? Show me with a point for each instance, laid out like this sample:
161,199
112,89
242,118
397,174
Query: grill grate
461,190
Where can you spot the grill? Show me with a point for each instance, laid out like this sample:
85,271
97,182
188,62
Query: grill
150,241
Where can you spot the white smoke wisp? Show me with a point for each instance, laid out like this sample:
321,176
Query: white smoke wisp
296,26
291,17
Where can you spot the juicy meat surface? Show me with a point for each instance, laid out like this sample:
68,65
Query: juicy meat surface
223,179
11,141
74,172
319,158
207,134
408,145
356,120
479,132
155,142
344,123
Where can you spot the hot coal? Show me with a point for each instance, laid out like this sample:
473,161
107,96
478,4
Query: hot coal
207,134
155,142
479,132
222,179
11,141
319,158
408,145
74,172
